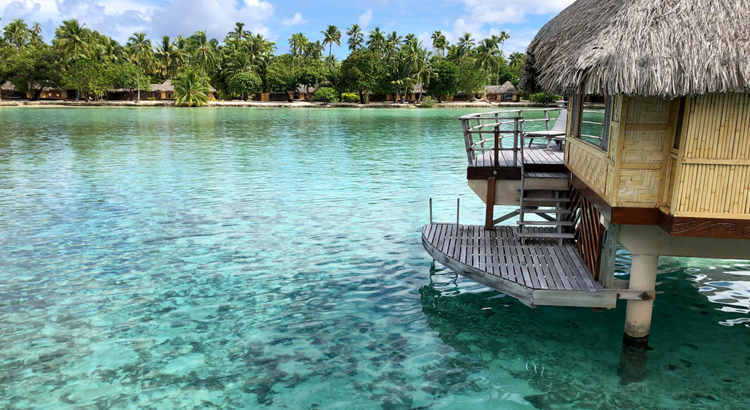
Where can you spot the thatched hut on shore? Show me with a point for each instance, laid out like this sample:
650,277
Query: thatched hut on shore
669,174
505,93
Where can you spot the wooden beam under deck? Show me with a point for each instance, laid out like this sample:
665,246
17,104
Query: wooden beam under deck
538,273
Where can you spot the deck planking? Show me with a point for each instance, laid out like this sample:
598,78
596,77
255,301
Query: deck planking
535,155
537,273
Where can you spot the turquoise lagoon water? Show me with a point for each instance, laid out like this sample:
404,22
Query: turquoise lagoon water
271,258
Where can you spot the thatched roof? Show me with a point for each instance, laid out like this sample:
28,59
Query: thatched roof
8,86
301,89
165,86
506,88
642,47
168,86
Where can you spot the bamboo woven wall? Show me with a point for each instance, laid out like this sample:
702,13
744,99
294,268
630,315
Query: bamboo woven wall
589,164
640,152
592,165
715,169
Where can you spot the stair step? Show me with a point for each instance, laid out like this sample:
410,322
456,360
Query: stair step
544,199
546,235
545,175
534,188
546,223
546,211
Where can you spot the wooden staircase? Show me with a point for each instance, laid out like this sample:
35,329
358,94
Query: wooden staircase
551,204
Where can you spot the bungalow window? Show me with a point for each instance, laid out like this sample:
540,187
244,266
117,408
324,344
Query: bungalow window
591,126
678,125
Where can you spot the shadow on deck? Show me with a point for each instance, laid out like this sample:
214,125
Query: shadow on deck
539,273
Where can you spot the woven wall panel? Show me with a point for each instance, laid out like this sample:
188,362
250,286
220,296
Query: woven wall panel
639,186
647,110
587,166
643,147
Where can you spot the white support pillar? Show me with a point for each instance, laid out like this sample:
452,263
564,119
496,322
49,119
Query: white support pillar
642,277
638,320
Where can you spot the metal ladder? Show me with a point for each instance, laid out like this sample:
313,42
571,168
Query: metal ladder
540,206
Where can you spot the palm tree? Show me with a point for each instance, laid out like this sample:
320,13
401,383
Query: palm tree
392,45
356,39
376,41
72,41
190,90
331,35
421,70
165,51
17,33
314,50
111,50
297,44
465,45
517,58
203,50
439,42
36,34
500,39
239,32
487,53
140,50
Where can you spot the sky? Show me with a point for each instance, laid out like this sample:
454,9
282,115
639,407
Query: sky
277,20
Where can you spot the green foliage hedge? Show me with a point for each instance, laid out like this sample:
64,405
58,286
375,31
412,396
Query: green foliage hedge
350,97
544,98
326,94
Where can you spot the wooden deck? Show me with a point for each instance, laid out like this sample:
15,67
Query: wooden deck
536,155
538,273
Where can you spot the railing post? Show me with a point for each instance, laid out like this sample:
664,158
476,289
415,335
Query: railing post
468,141
515,142
497,143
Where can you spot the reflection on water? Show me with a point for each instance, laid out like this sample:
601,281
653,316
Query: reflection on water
271,258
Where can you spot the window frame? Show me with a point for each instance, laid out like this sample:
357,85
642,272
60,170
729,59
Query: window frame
576,114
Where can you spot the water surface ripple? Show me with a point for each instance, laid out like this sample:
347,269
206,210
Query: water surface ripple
251,258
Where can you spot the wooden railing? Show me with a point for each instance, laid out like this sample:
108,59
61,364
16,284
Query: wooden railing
593,123
477,126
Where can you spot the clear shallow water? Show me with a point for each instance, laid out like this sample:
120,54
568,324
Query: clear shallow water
218,258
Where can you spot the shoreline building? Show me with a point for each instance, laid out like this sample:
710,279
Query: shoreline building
668,175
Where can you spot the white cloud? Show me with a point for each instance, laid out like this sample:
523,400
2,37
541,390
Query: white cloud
484,18
510,11
121,18
216,17
297,19
365,19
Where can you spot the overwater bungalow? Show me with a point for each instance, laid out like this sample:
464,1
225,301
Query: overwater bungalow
668,174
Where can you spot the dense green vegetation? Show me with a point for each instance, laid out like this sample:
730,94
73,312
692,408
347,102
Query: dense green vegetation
244,64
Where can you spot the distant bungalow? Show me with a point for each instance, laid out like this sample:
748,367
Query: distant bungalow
667,174
8,90
163,91
502,93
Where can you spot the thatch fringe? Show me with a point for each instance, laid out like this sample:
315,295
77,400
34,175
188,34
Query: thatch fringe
663,48
506,88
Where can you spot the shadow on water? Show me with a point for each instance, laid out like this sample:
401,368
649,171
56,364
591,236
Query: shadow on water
569,356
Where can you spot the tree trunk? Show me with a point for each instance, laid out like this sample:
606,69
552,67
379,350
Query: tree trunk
484,91
138,74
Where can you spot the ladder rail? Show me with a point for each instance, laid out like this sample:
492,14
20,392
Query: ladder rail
518,126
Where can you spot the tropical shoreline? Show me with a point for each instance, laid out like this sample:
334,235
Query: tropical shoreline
258,104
